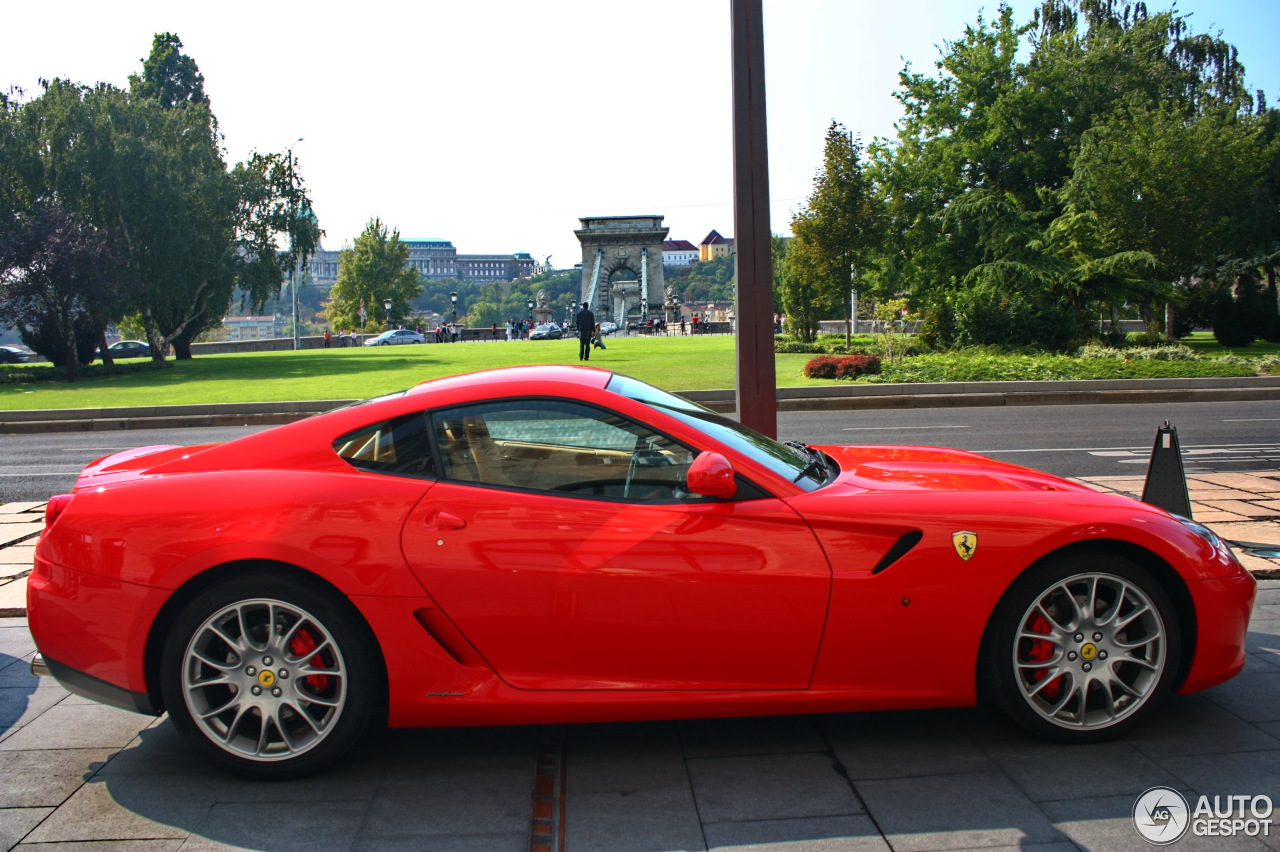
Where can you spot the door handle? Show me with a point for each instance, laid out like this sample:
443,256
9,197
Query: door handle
444,521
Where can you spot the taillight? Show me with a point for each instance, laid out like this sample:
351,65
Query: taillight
57,503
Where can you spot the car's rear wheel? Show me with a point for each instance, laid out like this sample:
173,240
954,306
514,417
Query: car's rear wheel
269,678
1085,644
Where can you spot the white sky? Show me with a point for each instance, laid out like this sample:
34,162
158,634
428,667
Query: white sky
498,123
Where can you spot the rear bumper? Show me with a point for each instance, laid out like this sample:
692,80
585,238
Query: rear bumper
93,688
91,631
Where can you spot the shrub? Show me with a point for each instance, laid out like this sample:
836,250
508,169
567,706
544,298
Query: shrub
1144,339
796,346
842,366
1164,352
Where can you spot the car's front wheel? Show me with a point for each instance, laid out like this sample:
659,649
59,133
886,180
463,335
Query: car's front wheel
1084,645
270,678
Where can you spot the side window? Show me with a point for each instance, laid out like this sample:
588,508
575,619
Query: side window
561,447
401,445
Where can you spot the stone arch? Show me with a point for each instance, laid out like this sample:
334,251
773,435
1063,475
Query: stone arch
614,244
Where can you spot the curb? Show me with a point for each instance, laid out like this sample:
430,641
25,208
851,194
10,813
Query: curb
844,397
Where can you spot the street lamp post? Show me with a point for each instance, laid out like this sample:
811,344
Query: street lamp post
530,303
293,266
453,297
386,303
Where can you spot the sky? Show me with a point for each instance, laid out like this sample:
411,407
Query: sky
497,124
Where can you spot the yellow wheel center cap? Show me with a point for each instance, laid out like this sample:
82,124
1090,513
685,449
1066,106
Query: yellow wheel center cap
1089,651
268,678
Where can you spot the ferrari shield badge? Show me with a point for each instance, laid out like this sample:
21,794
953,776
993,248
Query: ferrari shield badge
965,543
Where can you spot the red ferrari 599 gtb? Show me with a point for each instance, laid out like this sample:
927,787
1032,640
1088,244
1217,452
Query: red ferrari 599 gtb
561,544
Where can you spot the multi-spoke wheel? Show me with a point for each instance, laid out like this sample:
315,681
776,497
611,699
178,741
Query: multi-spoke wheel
1084,644
268,678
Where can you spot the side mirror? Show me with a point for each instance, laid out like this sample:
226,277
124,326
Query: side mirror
711,475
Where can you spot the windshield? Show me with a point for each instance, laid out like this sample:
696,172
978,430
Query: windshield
791,462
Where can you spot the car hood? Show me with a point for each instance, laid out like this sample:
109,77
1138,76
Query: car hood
903,468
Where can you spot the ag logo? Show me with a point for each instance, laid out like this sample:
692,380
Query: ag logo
267,678
965,543
1161,815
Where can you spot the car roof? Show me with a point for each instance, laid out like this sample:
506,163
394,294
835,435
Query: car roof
592,377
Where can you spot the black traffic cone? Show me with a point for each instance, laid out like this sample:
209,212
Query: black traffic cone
1166,485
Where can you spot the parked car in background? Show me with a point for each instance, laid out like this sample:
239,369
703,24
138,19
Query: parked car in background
608,328
546,331
127,349
396,337
14,353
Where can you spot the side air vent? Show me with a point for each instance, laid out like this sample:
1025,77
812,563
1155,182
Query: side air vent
900,549
442,630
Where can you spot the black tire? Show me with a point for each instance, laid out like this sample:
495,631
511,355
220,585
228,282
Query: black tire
278,703
1111,648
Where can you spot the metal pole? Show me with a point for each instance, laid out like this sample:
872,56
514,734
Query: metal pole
293,287
293,271
757,379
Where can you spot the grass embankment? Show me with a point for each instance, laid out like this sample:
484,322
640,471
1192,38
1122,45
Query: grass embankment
676,363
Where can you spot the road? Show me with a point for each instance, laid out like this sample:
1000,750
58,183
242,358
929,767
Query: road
1069,440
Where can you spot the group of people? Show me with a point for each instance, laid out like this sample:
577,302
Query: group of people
343,337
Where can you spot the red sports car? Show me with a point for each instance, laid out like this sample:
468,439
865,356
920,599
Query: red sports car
566,544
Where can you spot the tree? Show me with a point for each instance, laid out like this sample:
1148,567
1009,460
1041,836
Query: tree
840,223
56,276
778,256
168,76
1189,192
221,226
146,169
370,271
990,211
806,294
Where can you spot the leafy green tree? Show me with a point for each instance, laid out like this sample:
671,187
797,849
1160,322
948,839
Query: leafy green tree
807,296
56,276
369,272
979,182
778,256
145,168
841,221
484,313
169,77
1188,192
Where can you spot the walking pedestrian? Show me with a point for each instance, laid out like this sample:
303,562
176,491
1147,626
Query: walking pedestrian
585,322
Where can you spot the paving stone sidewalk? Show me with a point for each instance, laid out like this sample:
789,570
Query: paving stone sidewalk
78,775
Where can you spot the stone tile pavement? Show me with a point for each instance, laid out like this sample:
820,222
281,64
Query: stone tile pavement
1240,507
77,775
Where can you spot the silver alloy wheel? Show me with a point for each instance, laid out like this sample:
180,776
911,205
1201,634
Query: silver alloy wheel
264,680
1089,651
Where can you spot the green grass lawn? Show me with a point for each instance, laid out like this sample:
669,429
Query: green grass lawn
675,363
1204,343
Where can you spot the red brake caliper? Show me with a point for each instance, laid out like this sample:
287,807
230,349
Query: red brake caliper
304,643
1039,652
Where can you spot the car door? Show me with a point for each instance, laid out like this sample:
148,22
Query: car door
560,541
